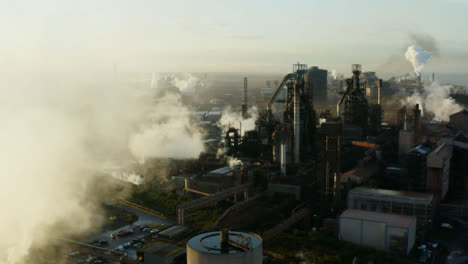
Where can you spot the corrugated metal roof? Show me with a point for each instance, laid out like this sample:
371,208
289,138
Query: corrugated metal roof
173,230
394,220
403,194
224,170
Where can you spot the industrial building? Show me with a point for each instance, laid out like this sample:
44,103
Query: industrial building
382,231
438,171
395,202
415,164
459,121
328,166
316,80
225,247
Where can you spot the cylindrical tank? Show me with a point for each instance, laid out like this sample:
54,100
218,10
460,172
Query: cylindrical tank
225,247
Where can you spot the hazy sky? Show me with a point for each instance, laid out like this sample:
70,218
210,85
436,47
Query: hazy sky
140,35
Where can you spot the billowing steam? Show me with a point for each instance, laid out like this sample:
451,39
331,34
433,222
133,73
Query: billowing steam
435,99
168,133
418,57
57,130
230,118
233,162
334,74
187,84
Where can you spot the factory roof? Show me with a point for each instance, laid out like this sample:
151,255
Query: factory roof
463,112
163,249
421,149
394,220
173,231
410,196
224,170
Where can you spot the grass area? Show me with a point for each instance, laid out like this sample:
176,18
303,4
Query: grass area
205,217
163,202
299,245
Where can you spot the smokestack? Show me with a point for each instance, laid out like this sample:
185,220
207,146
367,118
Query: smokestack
244,106
433,75
283,159
245,91
416,118
297,124
379,86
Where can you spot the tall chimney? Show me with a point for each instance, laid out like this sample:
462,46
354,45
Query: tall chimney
379,87
433,75
245,90
244,106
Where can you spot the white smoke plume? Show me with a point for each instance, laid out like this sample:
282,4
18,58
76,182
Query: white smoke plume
168,133
230,118
57,130
418,57
334,74
124,171
186,84
233,161
435,99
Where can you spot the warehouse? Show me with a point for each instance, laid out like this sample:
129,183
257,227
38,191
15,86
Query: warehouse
395,202
387,232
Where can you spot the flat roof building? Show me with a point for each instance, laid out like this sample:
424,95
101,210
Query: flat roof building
395,202
382,231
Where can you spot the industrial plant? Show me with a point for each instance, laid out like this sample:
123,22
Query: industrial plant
309,160
234,132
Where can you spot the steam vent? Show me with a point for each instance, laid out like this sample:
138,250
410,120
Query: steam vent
226,247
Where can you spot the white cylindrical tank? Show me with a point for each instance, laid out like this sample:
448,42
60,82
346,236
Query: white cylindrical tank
225,247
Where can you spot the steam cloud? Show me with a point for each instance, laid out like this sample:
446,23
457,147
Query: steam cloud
435,99
418,57
57,131
334,74
230,118
188,84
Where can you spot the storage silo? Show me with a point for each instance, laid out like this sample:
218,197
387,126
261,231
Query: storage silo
226,247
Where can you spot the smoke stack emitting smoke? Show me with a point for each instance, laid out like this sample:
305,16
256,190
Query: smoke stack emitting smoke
57,132
418,58
434,98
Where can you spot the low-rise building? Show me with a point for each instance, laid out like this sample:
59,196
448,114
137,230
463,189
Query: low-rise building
387,232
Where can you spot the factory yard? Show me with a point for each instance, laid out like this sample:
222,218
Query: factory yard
126,239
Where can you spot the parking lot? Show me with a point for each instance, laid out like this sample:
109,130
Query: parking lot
126,239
